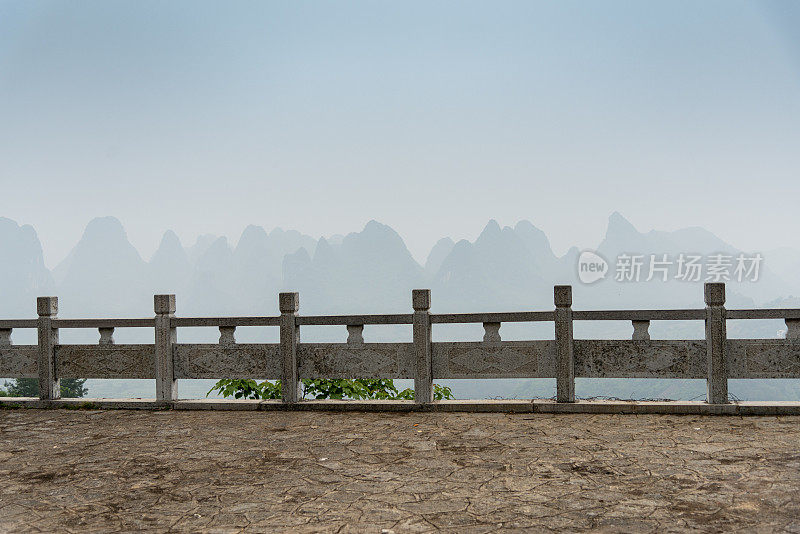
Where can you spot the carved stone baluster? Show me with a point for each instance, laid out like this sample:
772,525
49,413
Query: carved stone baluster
227,336
106,336
491,332
355,334
641,330
5,337
49,384
289,303
565,347
423,367
792,328
166,336
716,341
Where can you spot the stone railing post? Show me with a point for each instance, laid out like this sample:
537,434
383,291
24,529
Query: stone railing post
716,337
106,336
355,334
5,337
792,328
641,330
166,337
49,384
289,303
423,376
565,365
491,333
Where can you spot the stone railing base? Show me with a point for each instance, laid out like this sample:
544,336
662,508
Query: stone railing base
475,406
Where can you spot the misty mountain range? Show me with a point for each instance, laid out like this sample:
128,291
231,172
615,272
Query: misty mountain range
372,271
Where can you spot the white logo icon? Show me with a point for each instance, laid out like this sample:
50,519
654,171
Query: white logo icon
591,267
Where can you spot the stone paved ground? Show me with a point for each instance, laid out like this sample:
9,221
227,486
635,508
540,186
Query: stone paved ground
65,471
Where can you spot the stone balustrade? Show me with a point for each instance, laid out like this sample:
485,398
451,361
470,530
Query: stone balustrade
715,358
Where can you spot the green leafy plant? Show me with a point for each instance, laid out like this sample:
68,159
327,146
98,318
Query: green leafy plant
359,389
442,392
240,388
71,388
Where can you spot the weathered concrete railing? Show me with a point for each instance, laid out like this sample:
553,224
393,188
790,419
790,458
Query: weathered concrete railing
564,358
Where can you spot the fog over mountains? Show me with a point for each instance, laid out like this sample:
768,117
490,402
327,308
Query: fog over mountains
366,271
371,271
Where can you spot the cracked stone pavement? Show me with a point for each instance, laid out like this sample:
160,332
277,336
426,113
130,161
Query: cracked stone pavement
84,471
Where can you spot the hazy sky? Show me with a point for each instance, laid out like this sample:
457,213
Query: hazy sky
431,117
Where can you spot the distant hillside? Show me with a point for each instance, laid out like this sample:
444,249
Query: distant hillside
23,275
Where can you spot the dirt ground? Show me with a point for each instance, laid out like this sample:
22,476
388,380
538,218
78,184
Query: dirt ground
81,471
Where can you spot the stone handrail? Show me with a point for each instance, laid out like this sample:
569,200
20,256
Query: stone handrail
715,358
